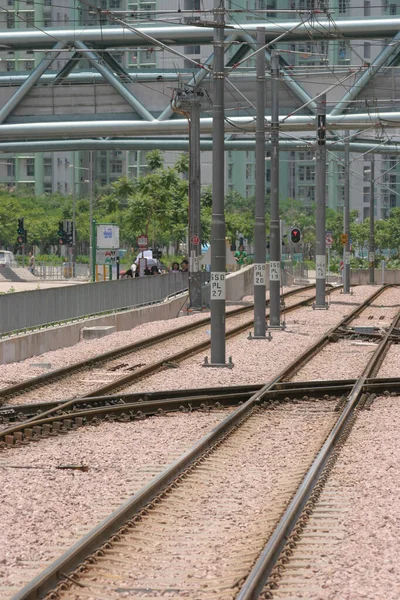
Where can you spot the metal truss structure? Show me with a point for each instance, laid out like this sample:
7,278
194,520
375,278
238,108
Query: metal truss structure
17,133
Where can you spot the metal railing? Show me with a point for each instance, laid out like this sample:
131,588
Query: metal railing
27,310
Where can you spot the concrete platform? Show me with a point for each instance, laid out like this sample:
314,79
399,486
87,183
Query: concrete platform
93,333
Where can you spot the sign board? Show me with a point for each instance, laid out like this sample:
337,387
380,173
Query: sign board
106,256
107,236
259,273
142,241
344,238
217,283
274,270
320,266
371,257
195,239
328,239
347,257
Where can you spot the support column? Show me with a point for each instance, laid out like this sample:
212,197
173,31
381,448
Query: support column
218,248
259,228
91,233
346,218
371,250
275,230
194,208
320,188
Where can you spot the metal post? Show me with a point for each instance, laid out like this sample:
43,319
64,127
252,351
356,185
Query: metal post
91,262
194,208
320,188
259,227
275,242
346,218
218,248
371,251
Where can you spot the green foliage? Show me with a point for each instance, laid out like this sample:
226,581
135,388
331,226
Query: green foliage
157,204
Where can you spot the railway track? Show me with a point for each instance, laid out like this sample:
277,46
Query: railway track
100,565
137,370
105,407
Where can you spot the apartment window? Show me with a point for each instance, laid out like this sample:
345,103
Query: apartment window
393,9
366,194
10,65
47,2
116,167
103,165
47,19
367,50
10,167
342,50
392,199
115,3
392,179
30,167
230,171
310,173
367,171
301,173
29,65
367,8
10,20
48,168
10,2
342,6
30,19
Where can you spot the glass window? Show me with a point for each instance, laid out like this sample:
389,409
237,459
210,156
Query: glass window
342,6
393,9
367,8
367,50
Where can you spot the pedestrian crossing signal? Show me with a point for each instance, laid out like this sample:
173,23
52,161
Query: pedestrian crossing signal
295,235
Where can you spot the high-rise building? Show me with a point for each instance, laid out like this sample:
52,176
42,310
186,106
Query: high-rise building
309,61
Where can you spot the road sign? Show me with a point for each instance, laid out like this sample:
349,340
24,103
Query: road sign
195,239
105,256
328,239
342,265
344,238
142,241
107,235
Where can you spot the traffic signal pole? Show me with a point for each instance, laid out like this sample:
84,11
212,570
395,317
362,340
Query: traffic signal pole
259,227
275,237
320,188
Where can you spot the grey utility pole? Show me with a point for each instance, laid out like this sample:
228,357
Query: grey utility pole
259,228
91,262
320,188
275,229
371,250
218,248
346,218
190,100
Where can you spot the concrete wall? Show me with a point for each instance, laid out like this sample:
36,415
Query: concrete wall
361,276
37,343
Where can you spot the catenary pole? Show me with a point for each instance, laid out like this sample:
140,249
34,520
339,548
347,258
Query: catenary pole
346,218
259,227
218,247
194,206
275,238
320,188
91,262
371,251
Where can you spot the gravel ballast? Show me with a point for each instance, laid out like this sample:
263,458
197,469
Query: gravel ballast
39,501
358,556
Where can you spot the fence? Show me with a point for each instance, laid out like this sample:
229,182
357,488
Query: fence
62,272
26,310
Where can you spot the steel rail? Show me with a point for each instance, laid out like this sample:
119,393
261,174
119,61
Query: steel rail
129,348
256,580
140,373
51,576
